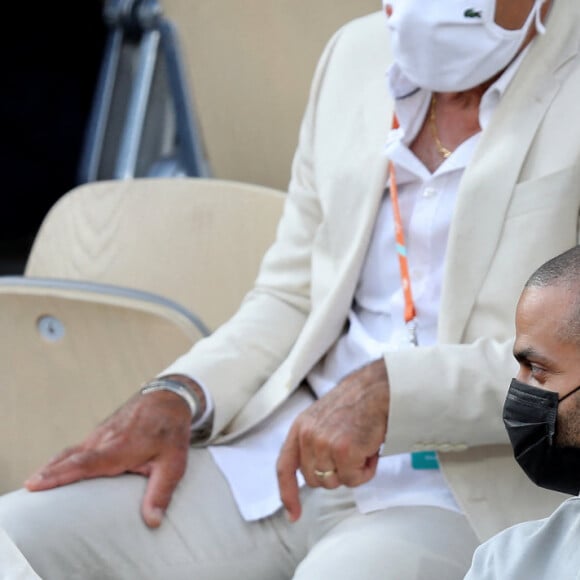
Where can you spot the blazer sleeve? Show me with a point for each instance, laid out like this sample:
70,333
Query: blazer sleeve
449,397
239,356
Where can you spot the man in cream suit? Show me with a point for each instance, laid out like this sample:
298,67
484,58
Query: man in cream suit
347,421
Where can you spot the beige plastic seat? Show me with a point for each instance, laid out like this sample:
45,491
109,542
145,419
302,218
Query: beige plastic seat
196,241
122,278
71,353
250,65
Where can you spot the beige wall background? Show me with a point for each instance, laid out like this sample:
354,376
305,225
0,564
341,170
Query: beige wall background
250,64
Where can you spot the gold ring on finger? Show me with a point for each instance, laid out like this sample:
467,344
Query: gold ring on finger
323,474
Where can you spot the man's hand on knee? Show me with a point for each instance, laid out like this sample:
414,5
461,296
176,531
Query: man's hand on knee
149,435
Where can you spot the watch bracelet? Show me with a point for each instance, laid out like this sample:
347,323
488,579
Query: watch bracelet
200,427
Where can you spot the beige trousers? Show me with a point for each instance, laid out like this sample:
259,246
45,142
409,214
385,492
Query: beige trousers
13,565
93,530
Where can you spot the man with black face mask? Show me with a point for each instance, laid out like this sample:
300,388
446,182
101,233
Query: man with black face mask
542,418
356,428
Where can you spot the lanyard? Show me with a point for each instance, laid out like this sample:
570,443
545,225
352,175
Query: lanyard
410,312
419,459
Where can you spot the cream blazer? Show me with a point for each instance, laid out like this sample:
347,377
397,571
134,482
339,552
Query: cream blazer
518,205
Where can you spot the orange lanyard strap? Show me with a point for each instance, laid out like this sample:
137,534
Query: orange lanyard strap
410,312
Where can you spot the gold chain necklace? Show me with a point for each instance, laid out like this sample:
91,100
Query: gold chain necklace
443,151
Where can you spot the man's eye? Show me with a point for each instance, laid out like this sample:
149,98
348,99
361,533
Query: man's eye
538,372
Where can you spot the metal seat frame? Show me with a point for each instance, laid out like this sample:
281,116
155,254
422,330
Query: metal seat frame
143,122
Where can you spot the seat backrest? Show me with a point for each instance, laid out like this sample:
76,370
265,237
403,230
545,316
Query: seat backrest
71,353
195,241
122,278
250,65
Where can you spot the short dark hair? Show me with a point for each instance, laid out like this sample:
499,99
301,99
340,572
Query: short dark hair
563,270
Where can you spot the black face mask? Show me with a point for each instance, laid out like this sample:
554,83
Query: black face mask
529,415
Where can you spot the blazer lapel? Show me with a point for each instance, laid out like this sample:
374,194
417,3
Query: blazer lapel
326,322
489,181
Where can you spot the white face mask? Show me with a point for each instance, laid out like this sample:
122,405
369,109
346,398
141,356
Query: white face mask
453,45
